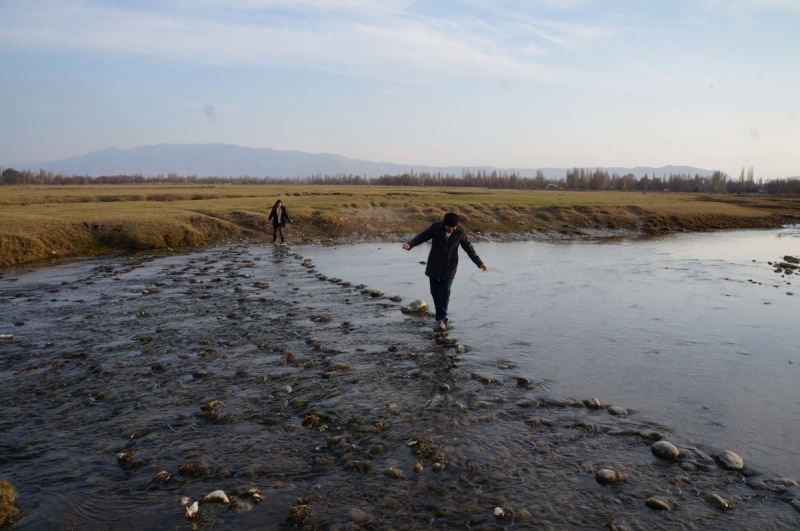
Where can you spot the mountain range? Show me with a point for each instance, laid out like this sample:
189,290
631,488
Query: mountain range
231,160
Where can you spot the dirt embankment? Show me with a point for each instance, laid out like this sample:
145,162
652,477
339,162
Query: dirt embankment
35,240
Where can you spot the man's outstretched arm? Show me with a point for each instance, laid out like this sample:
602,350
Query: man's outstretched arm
420,238
470,250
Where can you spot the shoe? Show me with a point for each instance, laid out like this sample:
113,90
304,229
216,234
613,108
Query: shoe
446,321
439,326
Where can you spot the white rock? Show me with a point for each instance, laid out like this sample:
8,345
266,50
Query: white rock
498,511
730,460
192,510
217,496
6,336
185,502
418,305
665,449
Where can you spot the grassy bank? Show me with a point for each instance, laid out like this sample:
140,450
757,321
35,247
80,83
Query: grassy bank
38,222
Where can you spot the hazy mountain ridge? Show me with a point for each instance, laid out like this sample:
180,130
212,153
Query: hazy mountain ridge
231,160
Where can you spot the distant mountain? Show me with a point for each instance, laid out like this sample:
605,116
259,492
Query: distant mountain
229,160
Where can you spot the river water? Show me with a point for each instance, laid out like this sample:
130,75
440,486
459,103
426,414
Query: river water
134,381
692,330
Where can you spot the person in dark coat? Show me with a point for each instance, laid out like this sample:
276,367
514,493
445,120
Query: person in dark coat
279,217
445,238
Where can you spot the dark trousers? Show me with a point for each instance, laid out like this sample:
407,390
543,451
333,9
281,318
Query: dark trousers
440,291
275,230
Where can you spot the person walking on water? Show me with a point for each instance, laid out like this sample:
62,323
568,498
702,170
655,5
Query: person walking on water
445,236
279,217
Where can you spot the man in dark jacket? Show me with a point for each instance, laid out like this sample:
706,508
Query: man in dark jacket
445,238
279,216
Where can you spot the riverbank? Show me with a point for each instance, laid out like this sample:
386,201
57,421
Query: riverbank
39,223
133,383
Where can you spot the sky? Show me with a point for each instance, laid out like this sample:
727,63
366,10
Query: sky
516,84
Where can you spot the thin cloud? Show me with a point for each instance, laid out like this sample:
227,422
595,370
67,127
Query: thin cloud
354,37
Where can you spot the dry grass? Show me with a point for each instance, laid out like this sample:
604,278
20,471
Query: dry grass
44,221
8,503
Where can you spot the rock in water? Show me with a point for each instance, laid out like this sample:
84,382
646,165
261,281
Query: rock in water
616,410
523,382
666,450
418,305
610,477
185,502
217,496
715,500
796,505
730,460
192,510
659,503
162,477
593,403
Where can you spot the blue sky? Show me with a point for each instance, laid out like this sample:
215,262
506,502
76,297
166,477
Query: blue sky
540,83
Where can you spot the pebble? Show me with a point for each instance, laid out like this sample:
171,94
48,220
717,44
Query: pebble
396,298
444,387
593,403
192,510
526,403
610,477
217,496
659,503
417,467
665,449
357,515
717,501
393,472
616,410
162,477
730,460
523,382
392,504
124,458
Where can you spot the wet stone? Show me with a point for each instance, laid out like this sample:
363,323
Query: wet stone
593,403
526,403
717,501
730,460
617,410
523,382
659,503
796,504
607,476
357,515
665,449
216,496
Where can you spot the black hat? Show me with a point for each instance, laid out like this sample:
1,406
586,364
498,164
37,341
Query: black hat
451,219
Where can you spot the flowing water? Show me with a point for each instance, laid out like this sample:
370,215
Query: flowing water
237,367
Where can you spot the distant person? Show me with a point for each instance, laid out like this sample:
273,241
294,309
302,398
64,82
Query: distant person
279,217
446,236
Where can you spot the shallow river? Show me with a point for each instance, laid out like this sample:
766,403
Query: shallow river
132,382
694,330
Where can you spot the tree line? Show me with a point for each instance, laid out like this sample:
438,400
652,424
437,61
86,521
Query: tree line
575,179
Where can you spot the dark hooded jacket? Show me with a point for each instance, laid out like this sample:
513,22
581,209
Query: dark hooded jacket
274,216
443,258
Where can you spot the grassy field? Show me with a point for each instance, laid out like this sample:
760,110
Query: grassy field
38,222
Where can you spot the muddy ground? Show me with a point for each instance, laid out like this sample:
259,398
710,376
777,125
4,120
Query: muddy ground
132,382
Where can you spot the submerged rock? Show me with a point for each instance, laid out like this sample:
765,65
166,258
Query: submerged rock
607,476
162,477
717,501
730,460
665,449
659,503
796,504
617,410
